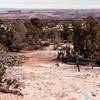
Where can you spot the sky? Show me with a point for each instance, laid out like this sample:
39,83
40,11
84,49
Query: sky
49,4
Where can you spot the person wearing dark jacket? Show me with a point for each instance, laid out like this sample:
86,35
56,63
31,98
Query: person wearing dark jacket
77,60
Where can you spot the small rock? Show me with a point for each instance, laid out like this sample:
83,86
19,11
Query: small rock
93,94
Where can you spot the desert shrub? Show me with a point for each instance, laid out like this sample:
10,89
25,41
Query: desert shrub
2,72
34,33
36,47
36,22
44,43
16,47
3,56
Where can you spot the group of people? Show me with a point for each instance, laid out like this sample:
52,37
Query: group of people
62,54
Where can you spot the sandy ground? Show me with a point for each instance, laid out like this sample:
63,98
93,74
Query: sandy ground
43,79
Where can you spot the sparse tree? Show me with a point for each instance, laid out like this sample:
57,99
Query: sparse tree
34,33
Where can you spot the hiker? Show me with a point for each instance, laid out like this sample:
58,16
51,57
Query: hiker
77,60
61,54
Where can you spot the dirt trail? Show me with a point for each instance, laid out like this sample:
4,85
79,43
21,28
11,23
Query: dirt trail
40,57
36,60
50,82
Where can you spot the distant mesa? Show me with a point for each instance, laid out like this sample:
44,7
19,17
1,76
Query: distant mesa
47,13
14,12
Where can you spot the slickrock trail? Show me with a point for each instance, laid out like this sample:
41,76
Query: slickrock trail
43,79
